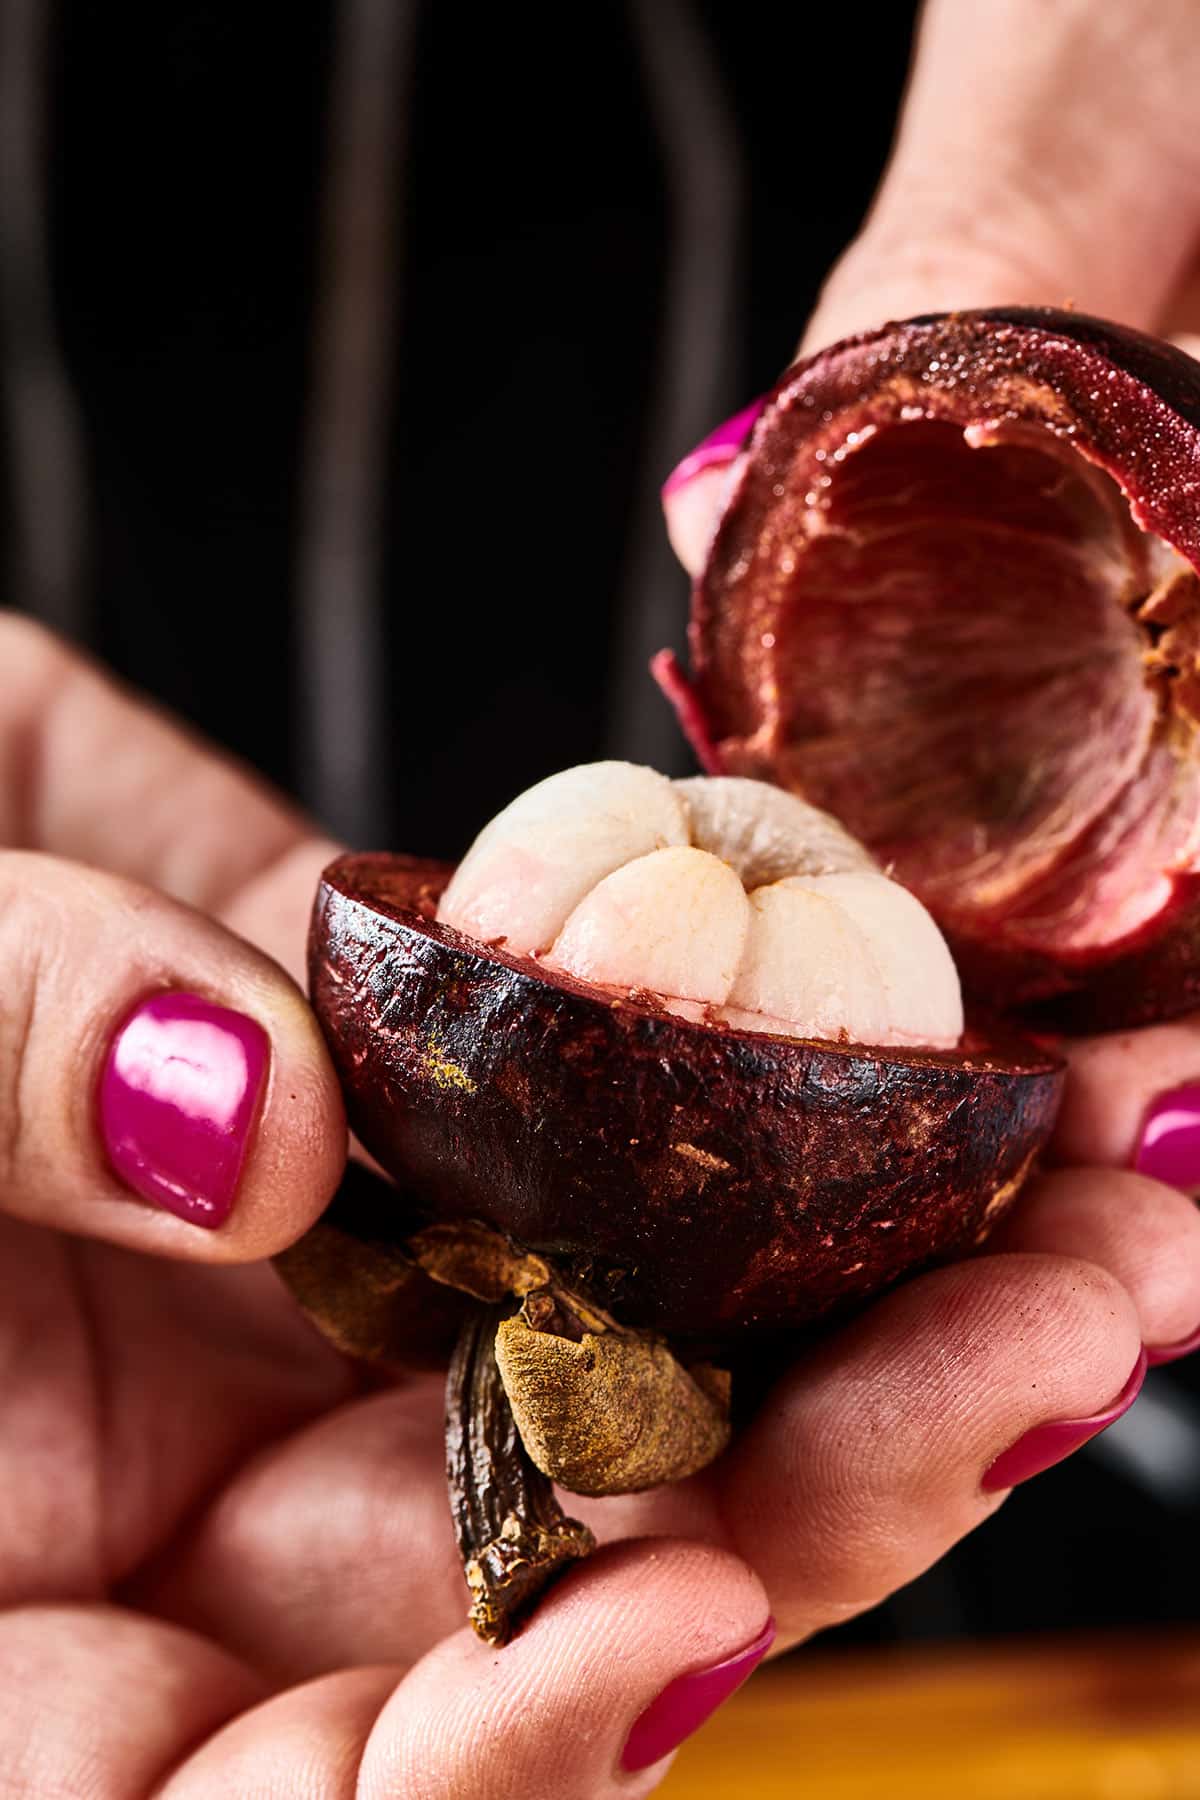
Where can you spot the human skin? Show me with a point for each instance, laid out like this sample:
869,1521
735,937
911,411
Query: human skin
226,1564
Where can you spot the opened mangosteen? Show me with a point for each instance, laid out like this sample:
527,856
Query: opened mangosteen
663,1066
664,1069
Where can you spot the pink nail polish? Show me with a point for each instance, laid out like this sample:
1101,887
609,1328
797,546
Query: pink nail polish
1048,1444
1170,1144
179,1098
1169,1353
683,1706
720,446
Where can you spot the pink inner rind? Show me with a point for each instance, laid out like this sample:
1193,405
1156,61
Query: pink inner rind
919,614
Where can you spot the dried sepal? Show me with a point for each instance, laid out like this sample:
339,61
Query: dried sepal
603,1410
512,1535
362,1289
477,1260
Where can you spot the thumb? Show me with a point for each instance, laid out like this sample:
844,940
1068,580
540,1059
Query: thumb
149,1055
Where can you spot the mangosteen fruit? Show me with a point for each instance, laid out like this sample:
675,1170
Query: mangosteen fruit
662,1069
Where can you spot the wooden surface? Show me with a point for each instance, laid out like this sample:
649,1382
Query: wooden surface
1058,1720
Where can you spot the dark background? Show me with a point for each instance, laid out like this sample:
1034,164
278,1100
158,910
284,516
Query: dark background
534,222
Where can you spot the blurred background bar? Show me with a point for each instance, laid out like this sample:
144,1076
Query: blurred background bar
1110,1718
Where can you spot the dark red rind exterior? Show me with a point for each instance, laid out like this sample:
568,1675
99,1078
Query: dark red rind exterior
1126,402
704,1181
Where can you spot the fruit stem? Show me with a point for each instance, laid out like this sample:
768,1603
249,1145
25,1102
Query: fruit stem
512,1535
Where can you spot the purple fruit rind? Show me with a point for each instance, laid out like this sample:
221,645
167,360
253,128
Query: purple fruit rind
701,1180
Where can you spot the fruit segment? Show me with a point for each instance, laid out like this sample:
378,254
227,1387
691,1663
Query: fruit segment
528,870
922,996
765,833
674,922
807,970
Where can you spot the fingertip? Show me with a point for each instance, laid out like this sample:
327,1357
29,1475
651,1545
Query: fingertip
693,495
693,509
1146,1234
1112,1107
635,1647
866,1463
224,1115
299,1151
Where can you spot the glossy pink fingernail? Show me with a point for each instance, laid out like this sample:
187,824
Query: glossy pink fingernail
1169,1149
683,1706
1048,1444
179,1098
1169,1353
720,446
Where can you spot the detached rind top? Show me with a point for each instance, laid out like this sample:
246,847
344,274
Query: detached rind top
702,1181
1128,405
1125,401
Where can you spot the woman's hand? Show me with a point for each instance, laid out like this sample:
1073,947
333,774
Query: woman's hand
225,1566
1045,156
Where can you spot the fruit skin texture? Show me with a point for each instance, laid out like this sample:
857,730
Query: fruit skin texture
1131,407
705,1182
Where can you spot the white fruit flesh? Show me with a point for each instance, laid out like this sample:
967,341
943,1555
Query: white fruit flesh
628,881
765,833
920,981
528,870
807,968
674,922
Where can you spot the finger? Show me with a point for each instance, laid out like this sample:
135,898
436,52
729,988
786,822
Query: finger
620,1662
1132,1099
1024,169
693,495
304,1563
156,1073
878,1452
863,1467
1146,1235
91,773
160,1381
1180,319
95,1701
691,511
305,1744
